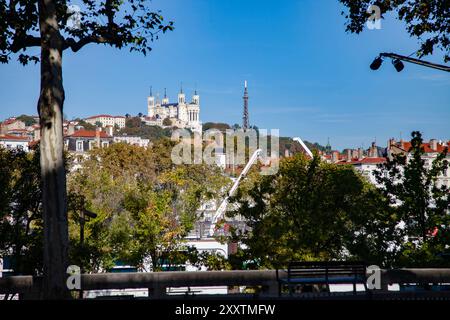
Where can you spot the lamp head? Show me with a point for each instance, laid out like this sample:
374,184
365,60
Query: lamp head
398,65
376,64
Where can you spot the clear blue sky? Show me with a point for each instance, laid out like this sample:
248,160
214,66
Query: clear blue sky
306,76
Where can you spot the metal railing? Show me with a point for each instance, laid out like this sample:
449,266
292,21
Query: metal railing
158,282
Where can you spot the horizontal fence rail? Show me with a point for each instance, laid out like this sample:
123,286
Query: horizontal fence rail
157,282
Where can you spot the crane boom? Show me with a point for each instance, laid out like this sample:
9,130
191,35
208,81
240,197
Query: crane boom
223,206
299,140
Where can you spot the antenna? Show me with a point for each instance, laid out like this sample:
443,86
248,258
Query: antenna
245,121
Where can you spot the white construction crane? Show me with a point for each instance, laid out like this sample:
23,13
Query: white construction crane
223,206
303,146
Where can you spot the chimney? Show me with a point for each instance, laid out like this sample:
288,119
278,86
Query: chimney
97,136
110,130
70,128
373,151
433,144
37,133
286,153
349,155
334,156
389,143
360,154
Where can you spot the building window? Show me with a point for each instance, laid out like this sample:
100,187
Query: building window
105,144
80,146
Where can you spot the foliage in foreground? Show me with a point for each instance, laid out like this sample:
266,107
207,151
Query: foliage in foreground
317,211
145,205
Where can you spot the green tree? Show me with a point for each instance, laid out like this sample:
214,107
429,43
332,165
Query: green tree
44,24
85,125
427,20
28,120
420,202
167,122
147,132
145,204
21,210
372,234
303,212
213,125
133,122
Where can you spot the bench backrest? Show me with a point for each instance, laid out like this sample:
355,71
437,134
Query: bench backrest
329,269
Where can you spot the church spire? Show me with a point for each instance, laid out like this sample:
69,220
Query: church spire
181,96
151,92
165,100
328,147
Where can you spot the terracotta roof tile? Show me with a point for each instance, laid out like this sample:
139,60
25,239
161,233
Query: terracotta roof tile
11,137
88,134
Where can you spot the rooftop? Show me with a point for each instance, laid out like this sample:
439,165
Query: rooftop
88,134
8,137
104,116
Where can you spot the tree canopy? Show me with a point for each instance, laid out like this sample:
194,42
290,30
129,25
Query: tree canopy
304,212
112,22
426,20
21,211
311,210
410,182
145,205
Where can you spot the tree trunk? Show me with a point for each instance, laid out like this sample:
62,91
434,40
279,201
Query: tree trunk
50,108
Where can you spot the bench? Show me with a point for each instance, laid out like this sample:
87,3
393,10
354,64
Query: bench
329,272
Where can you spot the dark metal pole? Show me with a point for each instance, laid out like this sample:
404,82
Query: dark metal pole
82,221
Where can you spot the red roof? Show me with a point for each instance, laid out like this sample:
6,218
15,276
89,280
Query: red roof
104,116
10,137
100,116
9,121
18,130
367,160
88,134
406,145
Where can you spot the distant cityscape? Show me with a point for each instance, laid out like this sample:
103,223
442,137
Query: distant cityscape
102,130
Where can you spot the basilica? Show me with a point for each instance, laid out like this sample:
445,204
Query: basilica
179,114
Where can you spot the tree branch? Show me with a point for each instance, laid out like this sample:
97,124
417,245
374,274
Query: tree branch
77,45
22,42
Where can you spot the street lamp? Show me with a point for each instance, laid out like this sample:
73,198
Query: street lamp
85,215
398,64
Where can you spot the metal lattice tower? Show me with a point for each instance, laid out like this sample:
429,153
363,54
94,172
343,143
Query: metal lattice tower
245,122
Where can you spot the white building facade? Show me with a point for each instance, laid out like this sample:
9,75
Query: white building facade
107,120
133,140
182,114
14,142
